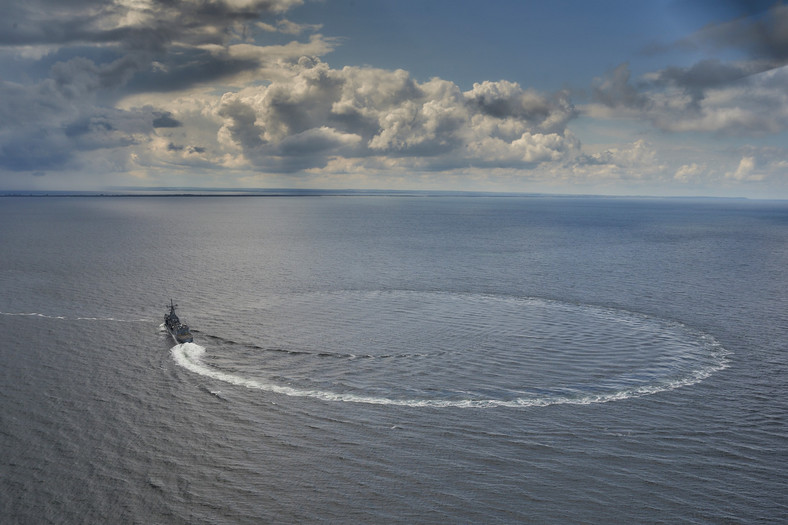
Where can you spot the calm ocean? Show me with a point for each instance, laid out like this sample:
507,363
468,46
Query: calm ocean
393,359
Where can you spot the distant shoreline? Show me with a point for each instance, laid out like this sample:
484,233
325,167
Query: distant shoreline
285,192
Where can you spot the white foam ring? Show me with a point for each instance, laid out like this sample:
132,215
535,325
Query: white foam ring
190,357
536,352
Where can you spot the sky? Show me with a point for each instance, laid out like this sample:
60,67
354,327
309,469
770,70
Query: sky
656,97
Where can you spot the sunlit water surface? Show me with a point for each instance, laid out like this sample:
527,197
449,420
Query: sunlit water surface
393,359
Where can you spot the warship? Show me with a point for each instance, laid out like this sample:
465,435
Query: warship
179,332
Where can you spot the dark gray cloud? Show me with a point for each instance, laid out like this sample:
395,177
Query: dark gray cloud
762,33
162,42
107,50
165,120
138,25
743,98
188,68
709,73
41,149
189,149
615,90
80,77
698,79
43,125
733,97
47,125
678,98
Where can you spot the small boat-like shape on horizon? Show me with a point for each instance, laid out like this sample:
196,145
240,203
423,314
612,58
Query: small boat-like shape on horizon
179,332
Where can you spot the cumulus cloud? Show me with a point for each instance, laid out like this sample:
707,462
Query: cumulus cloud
745,170
155,86
689,172
319,113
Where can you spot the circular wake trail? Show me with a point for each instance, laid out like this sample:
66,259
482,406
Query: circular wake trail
432,349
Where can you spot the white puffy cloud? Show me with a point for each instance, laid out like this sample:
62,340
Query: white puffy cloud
189,87
368,112
689,172
745,171
634,155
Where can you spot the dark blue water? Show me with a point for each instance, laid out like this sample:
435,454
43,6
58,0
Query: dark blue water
393,359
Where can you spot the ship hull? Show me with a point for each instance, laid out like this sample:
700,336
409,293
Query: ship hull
180,338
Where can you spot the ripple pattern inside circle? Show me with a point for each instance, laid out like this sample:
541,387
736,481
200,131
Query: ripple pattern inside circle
450,349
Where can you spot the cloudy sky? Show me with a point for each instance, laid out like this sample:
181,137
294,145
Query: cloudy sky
660,97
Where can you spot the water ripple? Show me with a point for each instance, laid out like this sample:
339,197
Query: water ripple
440,349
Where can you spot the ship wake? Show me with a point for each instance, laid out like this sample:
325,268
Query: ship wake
423,349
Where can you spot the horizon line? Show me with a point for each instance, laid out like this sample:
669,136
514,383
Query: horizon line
194,191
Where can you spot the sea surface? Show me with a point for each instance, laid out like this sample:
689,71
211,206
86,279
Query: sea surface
393,359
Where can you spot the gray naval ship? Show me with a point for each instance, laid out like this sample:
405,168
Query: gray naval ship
179,332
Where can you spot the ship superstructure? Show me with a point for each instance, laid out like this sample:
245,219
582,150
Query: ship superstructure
179,332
